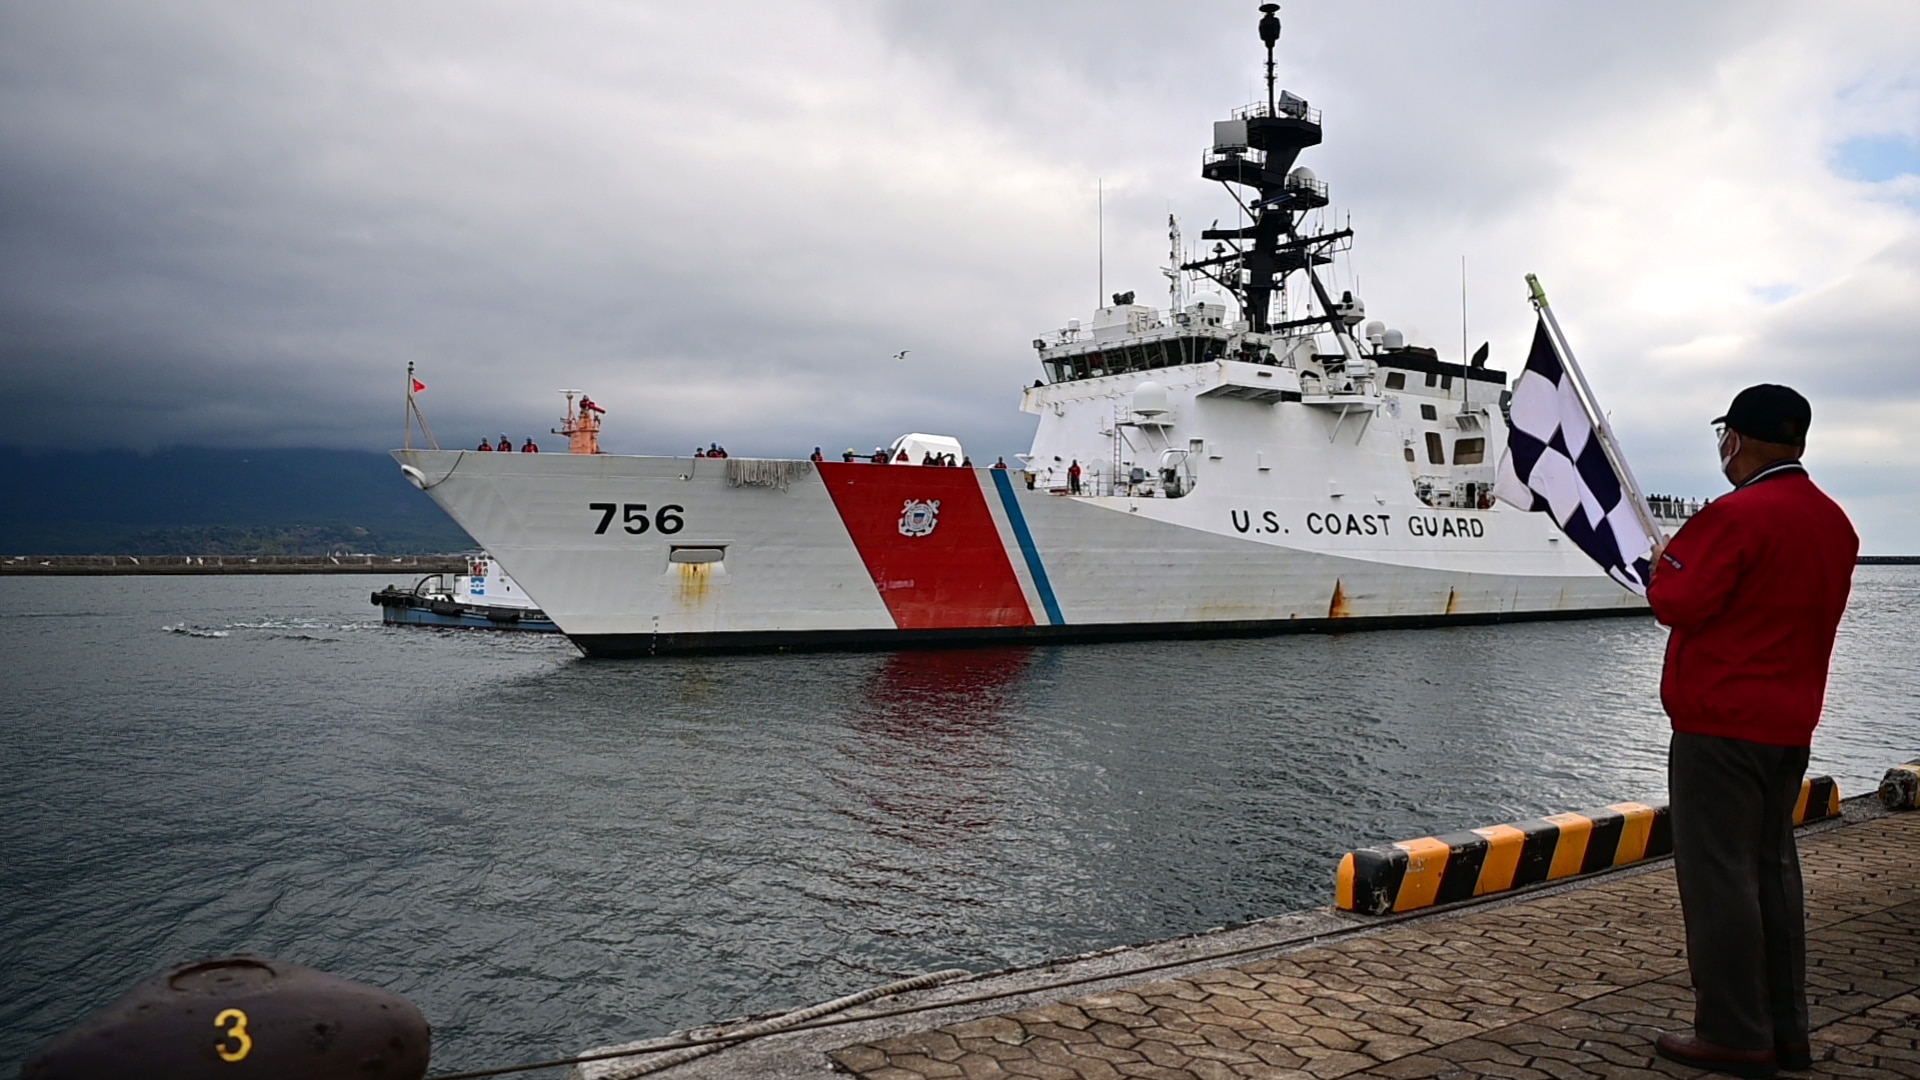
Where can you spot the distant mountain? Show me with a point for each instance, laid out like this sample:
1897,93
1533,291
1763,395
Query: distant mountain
194,500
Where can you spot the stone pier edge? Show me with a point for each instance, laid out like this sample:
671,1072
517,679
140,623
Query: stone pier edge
802,1053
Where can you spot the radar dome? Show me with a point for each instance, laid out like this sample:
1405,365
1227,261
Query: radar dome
1302,174
1375,331
1393,339
1150,399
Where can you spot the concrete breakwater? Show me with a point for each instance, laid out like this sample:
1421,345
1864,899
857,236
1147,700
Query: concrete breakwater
96,565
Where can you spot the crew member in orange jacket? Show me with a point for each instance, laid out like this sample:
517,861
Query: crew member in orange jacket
1753,587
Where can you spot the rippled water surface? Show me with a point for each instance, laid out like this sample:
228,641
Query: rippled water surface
546,853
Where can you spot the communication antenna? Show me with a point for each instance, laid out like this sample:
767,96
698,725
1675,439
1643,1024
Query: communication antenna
1269,33
1175,301
1463,309
1100,227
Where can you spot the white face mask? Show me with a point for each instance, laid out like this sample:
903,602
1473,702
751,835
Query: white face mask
1729,448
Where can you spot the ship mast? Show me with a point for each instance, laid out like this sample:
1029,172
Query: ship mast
1269,34
1256,149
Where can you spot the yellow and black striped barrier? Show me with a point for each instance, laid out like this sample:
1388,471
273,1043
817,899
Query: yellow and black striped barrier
1413,874
1900,788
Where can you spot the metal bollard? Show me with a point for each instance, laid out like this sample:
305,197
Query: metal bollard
240,1018
1900,789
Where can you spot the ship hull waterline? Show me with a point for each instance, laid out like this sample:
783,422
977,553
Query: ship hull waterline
645,556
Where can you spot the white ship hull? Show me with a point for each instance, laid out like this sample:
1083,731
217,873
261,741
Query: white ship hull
837,558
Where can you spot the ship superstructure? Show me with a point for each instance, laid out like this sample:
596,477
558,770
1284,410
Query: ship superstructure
1134,395
1255,457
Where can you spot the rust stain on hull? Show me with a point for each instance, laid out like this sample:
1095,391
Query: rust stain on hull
695,581
1338,609
1452,599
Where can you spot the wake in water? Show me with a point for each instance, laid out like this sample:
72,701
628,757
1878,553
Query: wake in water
194,631
270,628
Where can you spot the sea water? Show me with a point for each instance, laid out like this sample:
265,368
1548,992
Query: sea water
547,853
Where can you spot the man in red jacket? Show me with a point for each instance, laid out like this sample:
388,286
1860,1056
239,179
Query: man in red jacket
1753,588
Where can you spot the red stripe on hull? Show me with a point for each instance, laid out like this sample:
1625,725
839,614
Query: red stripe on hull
955,576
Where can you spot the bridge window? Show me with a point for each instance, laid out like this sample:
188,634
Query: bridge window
1140,356
1427,412
1396,380
1436,450
1469,451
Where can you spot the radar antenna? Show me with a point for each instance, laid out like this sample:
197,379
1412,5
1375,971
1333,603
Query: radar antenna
1253,155
1270,34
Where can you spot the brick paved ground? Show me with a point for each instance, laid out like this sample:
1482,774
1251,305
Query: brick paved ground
1575,984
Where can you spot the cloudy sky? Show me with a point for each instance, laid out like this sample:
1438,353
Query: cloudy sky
228,223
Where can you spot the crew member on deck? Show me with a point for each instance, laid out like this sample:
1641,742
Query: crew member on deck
530,447
485,444
1073,477
506,444
1000,462
817,456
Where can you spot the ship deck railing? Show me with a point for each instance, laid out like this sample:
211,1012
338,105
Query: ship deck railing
1292,112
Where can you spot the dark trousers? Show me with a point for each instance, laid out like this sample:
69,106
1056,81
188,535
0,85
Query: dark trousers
1739,873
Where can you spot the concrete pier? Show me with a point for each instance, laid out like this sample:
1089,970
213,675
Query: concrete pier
97,565
1571,981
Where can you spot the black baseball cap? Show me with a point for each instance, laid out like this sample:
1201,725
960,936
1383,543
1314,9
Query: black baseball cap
1771,413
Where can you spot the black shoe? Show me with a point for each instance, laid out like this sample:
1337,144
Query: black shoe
1701,1054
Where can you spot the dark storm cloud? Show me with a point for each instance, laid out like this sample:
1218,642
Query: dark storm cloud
234,224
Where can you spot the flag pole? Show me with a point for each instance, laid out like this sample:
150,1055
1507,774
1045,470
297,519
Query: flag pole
414,413
1609,445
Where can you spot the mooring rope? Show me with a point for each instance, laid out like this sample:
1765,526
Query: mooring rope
782,1023
685,1050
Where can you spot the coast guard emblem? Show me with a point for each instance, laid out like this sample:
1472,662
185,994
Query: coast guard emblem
919,517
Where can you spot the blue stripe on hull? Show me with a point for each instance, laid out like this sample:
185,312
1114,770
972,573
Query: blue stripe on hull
1003,483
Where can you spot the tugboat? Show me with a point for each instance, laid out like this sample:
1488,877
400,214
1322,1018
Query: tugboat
1255,458
483,598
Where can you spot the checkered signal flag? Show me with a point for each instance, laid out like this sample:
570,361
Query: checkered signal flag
1562,460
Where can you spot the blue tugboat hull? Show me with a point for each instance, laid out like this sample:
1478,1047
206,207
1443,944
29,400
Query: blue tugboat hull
399,608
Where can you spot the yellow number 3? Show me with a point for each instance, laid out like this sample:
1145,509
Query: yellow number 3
238,1033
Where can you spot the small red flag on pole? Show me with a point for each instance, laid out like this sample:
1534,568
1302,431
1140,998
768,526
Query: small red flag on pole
418,386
